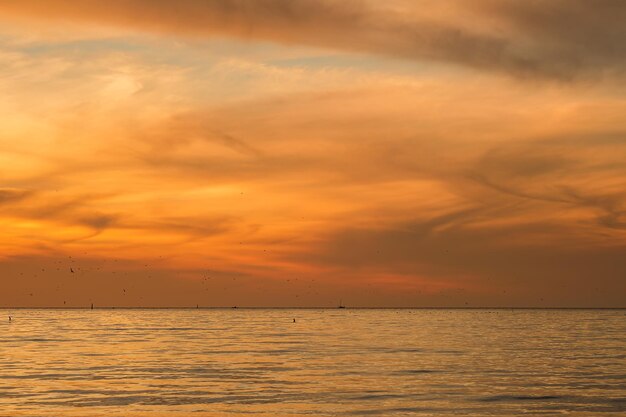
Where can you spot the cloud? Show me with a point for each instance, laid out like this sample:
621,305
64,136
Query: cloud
541,38
505,265
98,221
11,195
563,172
186,127
378,181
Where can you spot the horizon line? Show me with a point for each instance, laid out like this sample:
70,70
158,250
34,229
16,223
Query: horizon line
304,308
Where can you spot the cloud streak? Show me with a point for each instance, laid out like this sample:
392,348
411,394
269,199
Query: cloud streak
541,38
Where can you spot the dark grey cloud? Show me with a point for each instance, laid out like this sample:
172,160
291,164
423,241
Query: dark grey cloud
571,35
544,38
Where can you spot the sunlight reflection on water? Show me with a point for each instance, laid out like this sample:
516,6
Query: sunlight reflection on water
330,362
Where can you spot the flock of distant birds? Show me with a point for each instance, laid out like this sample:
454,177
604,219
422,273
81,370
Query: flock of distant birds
341,305
203,282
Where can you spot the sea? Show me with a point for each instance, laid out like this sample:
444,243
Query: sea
329,362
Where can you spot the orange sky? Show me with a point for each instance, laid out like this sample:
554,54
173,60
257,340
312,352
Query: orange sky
280,153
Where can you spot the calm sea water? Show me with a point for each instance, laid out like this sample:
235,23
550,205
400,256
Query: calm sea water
328,363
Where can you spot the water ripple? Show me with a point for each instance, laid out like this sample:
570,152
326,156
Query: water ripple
154,363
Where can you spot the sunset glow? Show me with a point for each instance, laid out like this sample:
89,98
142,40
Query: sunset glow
298,153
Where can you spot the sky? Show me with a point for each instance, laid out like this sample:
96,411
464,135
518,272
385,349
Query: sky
406,153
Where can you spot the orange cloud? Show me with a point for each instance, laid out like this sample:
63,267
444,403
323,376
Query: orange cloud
293,177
